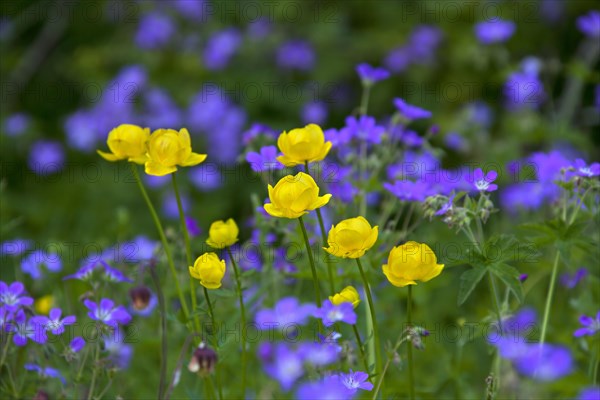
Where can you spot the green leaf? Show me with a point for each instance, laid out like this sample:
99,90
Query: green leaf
222,292
468,281
510,276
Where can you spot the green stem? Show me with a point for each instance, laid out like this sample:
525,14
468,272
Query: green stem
243,315
163,240
364,99
312,262
188,249
411,374
549,298
324,237
494,290
400,340
95,370
374,327
5,350
163,332
359,344
595,371
103,392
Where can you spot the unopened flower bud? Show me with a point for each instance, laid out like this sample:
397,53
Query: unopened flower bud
523,277
41,395
203,360
140,297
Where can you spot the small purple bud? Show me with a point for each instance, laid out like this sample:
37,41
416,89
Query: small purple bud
140,297
523,277
203,360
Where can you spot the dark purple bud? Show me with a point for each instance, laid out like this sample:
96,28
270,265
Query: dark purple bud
203,360
523,277
140,297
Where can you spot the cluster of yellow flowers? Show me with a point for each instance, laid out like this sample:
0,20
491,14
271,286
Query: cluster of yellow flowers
160,152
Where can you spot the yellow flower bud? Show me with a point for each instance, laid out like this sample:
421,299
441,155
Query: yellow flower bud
294,196
167,149
209,269
302,144
411,262
351,238
44,304
127,142
222,234
347,295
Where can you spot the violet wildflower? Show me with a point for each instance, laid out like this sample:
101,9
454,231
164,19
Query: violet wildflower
46,157
170,208
356,380
113,274
5,317
46,372
85,272
455,141
363,128
288,311
319,354
160,110
190,9
25,329
570,281
154,31
544,363
314,112
192,226
587,171
370,75
423,43
328,388
494,31
483,182
296,54
206,177
589,393
409,190
523,91
16,124
105,311
589,24
330,313
156,182
57,325
119,353
409,111
140,249
281,363
446,207
256,130
81,134
31,264
265,160
14,247
12,297
590,325
77,344
221,47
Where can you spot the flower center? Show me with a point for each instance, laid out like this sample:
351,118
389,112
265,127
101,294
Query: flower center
482,184
335,315
587,171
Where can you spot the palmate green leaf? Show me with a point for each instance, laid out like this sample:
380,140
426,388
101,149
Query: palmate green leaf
510,276
468,281
500,248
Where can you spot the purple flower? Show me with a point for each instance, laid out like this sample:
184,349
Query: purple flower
481,182
589,24
281,363
409,111
11,296
296,54
119,353
329,388
423,42
288,311
46,157
32,263
544,362
523,91
160,110
57,325
319,354
363,128
139,249
590,326
221,47
370,75
156,182
587,171
330,314
5,317
571,280
190,9
589,393
446,207
46,372
494,31
455,141
265,160
77,344
170,207
338,183
143,301
85,272
409,190
256,130
81,132
113,274
314,112
206,177
32,329
106,312
192,226
356,380
14,247
398,59
154,31
411,138
16,124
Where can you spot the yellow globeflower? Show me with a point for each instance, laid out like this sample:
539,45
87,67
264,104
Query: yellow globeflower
351,238
209,269
222,234
411,262
44,304
167,149
127,142
302,144
294,196
347,295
